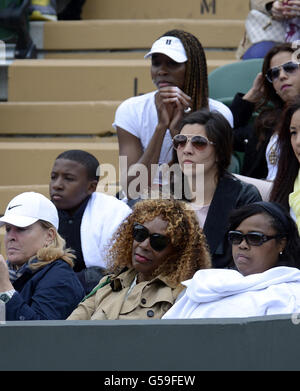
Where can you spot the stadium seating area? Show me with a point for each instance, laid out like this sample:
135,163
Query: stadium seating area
66,98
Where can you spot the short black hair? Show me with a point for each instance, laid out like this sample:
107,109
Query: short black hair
88,160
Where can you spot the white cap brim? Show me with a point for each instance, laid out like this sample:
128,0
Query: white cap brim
18,221
175,50
178,57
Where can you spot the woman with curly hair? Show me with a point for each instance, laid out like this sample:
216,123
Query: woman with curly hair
157,247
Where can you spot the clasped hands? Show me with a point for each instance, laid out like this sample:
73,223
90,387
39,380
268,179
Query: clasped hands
171,104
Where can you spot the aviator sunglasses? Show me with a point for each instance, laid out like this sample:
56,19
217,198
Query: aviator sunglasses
288,67
157,241
198,142
252,238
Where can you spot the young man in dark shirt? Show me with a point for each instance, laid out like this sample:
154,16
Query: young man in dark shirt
87,219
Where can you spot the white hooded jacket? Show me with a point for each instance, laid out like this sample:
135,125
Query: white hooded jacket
224,293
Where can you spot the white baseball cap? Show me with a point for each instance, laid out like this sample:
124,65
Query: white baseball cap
27,208
171,47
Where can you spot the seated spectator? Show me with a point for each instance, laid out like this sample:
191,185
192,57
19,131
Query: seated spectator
156,248
37,282
205,140
286,187
147,123
281,23
87,219
272,90
266,252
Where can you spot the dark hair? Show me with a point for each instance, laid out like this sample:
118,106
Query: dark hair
196,81
269,91
88,160
288,165
271,104
218,130
280,221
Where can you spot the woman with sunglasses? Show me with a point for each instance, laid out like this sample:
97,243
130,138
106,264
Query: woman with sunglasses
158,246
205,141
276,86
286,186
266,253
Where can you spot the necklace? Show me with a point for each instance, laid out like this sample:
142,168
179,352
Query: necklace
273,155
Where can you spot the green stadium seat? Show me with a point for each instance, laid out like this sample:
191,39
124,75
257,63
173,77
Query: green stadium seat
225,81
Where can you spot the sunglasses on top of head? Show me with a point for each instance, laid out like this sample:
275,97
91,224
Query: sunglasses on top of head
252,238
157,241
288,67
198,142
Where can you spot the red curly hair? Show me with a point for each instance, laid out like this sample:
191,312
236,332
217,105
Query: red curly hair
187,238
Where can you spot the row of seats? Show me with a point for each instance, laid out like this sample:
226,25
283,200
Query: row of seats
156,9
67,97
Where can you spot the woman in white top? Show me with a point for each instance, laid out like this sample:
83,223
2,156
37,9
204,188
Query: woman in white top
266,252
146,124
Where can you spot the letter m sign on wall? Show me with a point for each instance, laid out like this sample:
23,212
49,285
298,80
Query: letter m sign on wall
208,6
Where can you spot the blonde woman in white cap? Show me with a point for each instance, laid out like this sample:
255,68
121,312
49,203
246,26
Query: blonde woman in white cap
147,123
37,280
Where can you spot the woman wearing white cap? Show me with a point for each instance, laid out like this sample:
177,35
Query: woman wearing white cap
37,281
146,124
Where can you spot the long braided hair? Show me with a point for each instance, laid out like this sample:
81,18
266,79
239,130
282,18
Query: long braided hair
196,82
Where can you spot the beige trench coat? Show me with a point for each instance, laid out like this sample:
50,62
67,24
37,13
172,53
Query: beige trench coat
147,300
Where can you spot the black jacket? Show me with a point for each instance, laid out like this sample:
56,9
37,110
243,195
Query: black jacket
230,194
245,139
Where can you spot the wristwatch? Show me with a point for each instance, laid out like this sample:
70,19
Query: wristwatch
7,295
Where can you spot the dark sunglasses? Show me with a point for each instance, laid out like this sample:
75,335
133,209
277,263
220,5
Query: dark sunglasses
288,67
252,238
198,142
157,241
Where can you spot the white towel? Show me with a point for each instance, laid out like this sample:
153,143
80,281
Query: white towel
215,293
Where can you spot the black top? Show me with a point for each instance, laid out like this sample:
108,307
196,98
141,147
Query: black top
69,229
246,140
231,193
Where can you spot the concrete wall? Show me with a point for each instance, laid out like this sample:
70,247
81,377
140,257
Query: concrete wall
260,343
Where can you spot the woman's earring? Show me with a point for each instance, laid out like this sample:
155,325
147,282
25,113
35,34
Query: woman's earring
280,253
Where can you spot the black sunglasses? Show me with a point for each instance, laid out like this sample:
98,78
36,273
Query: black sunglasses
157,241
252,238
288,67
198,142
